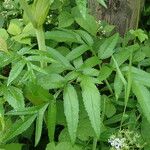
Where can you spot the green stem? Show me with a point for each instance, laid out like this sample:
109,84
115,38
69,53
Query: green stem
41,42
94,143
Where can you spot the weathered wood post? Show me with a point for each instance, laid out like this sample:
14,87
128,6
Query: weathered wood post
124,14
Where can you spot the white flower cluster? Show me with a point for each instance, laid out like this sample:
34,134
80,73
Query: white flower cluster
117,143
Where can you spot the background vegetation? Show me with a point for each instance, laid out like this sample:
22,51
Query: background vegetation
71,82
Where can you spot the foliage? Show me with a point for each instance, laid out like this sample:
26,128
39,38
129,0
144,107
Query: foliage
68,82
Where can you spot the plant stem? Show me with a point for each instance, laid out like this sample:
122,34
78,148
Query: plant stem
41,42
94,143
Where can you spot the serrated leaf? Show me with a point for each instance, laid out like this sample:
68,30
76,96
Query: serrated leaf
78,51
56,55
71,110
14,97
51,119
36,93
107,48
39,124
87,38
15,71
91,99
26,111
17,128
143,97
53,81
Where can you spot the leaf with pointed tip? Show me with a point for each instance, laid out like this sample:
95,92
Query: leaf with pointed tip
15,71
17,128
71,109
91,99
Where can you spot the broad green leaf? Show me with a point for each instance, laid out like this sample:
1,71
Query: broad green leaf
15,71
104,73
81,4
78,62
139,75
90,72
107,48
91,99
39,124
87,38
3,45
124,54
90,62
51,119
36,93
71,110
51,146
14,28
118,86
3,34
60,58
138,56
59,36
139,33
143,97
17,128
14,97
63,22
102,2
53,81
88,23
75,53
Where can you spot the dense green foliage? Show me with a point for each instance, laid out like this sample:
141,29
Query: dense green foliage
68,82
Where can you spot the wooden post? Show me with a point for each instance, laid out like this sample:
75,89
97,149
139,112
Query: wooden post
124,14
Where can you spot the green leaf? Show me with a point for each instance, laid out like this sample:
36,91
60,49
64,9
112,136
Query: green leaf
17,128
139,75
63,22
87,38
124,54
3,45
52,81
104,73
15,71
36,93
60,58
77,52
90,62
102,2
139,33
3,34
15,146
59,36
14,97
26,111
118,86
143,97
14,28
91,99
39,124
51,119
88,23
107,48
82,7
71,109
